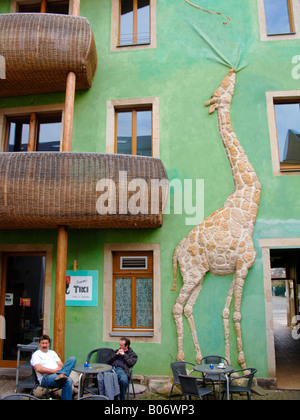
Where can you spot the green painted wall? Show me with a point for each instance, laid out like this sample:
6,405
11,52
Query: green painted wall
180,72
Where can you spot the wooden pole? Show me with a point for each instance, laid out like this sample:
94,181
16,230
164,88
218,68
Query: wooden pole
76,8
43,6
60,292
62,237
32,133
69,111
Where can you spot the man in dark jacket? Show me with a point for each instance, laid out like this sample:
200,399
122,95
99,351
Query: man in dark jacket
122,360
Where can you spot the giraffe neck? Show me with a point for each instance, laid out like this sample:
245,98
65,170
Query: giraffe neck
245,179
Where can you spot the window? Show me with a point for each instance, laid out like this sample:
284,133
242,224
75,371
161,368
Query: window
49,6
132,126
279,19
133,24
34,132
284,125
288,134
142,261
134,132
132,292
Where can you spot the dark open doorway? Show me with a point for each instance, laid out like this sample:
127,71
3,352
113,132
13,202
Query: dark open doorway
22,300
285,270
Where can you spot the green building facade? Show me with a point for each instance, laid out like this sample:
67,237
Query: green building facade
167,75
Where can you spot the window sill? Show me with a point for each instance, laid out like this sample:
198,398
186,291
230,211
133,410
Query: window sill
131,334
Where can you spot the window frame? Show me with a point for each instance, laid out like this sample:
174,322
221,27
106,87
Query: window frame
140,103
8,113
14,8
133,274
274,98
134,110
115,29
294,9
113,336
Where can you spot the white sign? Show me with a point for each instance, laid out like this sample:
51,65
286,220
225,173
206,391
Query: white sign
80,288
9,299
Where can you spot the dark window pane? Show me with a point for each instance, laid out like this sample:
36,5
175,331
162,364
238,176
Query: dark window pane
143,22
288,132
61,8
144,133
49,134
18,136
30,8
277,17
126,23
124,133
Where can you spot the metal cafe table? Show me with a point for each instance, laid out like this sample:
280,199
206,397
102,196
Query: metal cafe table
212,370
92,369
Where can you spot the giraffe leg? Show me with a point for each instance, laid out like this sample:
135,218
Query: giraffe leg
238,291
225,315
184,294
188,311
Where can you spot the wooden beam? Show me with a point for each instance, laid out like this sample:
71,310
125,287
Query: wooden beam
60,292
32,133
69,112
43,6
76,8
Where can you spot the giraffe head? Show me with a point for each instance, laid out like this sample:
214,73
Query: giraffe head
222,97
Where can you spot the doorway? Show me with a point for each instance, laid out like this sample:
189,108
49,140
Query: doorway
22,301
285,280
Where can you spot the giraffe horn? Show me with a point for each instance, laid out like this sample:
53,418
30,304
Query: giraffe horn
210,102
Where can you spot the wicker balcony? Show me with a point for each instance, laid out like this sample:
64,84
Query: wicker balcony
40,49
46,190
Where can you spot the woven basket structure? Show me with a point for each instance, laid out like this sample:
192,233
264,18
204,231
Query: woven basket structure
46,190
40,49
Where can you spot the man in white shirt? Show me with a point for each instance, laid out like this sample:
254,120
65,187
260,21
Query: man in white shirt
50,369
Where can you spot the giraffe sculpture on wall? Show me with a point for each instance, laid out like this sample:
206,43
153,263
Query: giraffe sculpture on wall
222,243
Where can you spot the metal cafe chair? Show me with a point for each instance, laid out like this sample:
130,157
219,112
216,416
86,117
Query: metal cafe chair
190,387
179,368
237,389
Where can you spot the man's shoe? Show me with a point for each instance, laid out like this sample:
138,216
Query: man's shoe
61,379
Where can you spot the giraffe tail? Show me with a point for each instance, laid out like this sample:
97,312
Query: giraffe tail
175,261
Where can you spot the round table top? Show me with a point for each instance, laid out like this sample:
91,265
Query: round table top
92,368
205,368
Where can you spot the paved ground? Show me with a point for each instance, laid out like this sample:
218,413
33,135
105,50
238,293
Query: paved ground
7,386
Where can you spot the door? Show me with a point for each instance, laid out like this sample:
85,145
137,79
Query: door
22,301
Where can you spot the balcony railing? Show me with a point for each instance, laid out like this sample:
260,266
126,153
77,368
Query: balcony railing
81,190
38,50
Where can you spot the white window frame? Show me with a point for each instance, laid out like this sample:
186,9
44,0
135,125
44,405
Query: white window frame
295,5
271,96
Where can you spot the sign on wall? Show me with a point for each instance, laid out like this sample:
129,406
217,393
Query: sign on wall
82,288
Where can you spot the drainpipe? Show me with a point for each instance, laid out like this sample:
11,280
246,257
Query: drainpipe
62,237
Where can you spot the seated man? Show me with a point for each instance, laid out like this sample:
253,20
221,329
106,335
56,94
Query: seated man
122,360
46,362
